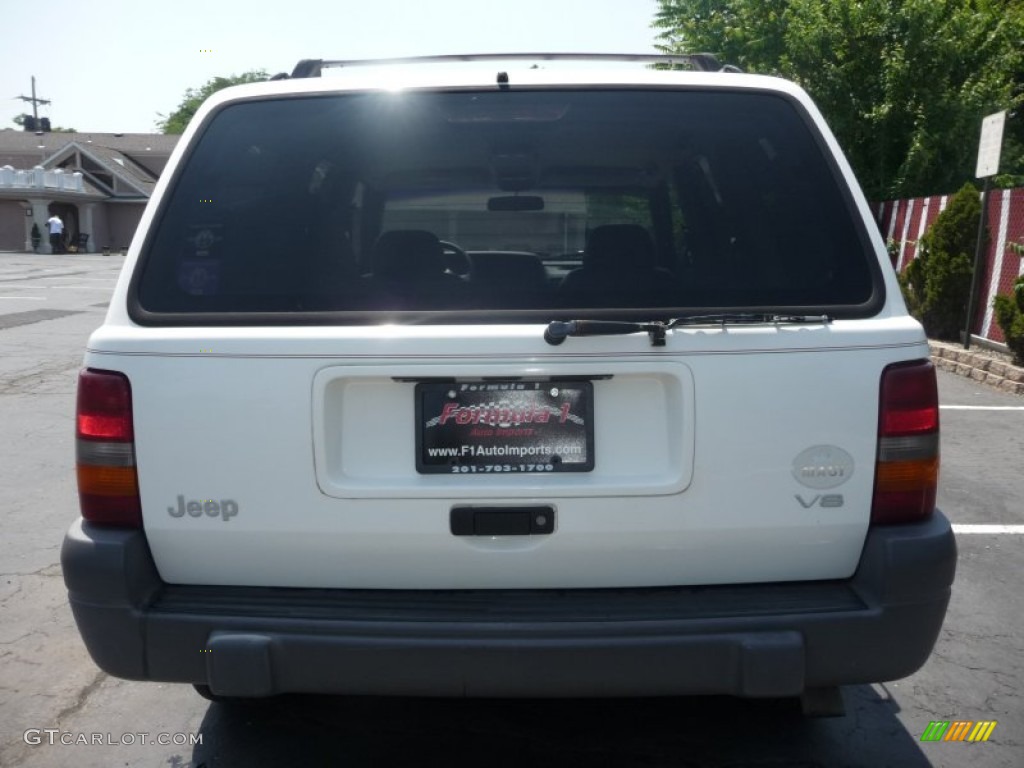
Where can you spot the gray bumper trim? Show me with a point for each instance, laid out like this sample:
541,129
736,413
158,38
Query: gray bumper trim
747,640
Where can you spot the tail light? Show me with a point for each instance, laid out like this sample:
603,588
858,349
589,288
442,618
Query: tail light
108,486
907,468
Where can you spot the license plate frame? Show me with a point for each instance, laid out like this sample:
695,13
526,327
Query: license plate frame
504,427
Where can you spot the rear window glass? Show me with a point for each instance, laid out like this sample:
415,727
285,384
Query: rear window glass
506,204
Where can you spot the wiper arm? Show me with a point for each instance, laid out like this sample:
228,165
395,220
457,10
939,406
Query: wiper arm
559,330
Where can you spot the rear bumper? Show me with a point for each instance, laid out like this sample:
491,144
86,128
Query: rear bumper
746,640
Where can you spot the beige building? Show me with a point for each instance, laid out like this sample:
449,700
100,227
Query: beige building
98,183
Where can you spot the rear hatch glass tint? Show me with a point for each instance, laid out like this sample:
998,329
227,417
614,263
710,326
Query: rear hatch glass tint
505,205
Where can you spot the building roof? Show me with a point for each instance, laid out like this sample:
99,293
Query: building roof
116,163
123,155
26,142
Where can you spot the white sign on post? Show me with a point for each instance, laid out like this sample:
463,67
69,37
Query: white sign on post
991,145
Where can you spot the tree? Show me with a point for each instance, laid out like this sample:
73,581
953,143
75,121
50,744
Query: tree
938,281
178,120
904,84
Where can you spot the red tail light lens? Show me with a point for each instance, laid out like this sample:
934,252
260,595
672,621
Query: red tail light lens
907,466
108,487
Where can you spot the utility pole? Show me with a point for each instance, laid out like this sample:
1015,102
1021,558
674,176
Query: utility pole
35,101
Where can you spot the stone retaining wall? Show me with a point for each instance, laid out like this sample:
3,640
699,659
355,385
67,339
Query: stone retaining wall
979,365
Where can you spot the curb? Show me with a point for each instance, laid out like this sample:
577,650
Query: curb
978,367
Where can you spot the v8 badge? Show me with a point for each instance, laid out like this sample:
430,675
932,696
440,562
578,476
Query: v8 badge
825,501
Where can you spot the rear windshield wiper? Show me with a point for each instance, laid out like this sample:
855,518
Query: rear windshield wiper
559,330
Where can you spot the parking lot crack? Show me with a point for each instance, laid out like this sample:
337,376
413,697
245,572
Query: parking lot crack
18,660
82,697
53,569
20,638
29,381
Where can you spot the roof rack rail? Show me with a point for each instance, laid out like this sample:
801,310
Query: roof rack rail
701,62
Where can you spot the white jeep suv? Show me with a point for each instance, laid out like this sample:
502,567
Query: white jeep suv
490,379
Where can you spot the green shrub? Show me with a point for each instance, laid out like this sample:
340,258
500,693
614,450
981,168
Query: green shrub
912,284
938,282
1010,316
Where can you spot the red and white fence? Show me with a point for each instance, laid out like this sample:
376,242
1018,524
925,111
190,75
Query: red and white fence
903,222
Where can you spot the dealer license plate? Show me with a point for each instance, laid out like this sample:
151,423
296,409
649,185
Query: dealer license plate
526,427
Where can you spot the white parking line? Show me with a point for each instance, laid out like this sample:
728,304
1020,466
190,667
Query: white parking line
981,407
969,528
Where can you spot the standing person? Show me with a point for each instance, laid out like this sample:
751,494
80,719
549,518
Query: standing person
56,233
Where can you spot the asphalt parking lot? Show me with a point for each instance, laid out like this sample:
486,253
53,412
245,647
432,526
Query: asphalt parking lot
50,691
